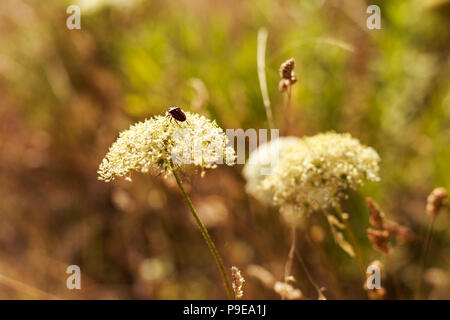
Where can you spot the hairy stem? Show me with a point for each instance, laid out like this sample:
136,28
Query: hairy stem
207,238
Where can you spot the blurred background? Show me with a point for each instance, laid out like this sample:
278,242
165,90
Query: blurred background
66,94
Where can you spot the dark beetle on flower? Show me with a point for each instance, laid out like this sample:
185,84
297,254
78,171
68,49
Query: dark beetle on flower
177,114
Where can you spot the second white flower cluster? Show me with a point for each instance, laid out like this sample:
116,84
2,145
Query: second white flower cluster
312,173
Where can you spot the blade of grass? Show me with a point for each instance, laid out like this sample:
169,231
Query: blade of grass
261,63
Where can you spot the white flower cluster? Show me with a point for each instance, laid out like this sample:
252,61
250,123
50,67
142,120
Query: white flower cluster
161,144
261,163
314,173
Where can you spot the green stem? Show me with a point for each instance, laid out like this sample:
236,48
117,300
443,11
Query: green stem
353,241
207,238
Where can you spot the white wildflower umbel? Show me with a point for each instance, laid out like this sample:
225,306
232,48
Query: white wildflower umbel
262,162
161,144
314,173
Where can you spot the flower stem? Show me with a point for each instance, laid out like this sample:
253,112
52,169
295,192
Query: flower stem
353,241
287,108
425,250
207,238
320,295
290,260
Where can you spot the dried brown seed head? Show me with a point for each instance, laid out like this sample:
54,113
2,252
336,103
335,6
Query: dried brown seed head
377,220
436,201
376,215
287,69
238,282
379,240
287,75
401,233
